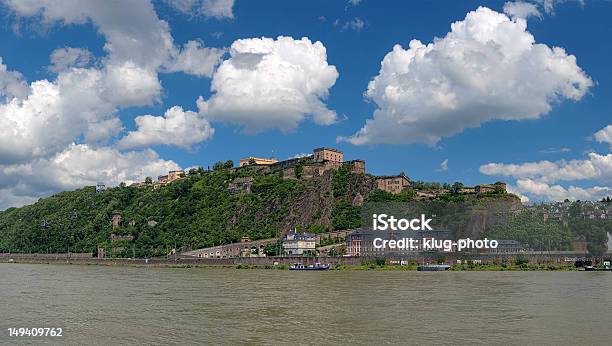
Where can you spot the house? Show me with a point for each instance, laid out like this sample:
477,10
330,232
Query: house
251,160
393,184
298,243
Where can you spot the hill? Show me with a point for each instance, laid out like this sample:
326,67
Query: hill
206,208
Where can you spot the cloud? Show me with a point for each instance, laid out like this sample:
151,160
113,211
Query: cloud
443,166
195,59
355,24
219,9
597,167
63,59
12,83
53,115
43,118
354,2
554,150
520,9
539,179
604,135
271,83
177,127
559,193
77,166
488,67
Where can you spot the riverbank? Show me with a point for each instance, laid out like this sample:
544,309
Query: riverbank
345,267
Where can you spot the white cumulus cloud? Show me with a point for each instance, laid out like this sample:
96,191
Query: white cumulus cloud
520,9
12,83
542,179
77,166
177,127
271,83
604,135
488,67
559,193
596,167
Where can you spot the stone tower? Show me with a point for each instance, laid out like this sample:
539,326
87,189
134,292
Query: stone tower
116,219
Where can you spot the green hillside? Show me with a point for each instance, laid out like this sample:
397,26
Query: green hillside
198,211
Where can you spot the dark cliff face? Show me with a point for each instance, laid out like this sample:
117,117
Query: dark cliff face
315,204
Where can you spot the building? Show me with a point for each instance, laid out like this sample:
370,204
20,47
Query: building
100,187
497,187
298,243
393,184
507,246
361,242
328,154
116,221
356,166
251,160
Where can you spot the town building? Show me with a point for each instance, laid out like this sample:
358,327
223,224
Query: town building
328,154
393,184
251,160
299,243
507,246
361,242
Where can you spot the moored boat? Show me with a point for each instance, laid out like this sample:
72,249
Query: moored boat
433,267
316,266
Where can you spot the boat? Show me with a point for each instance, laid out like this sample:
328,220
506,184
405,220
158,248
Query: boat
316,266
592,268
433,267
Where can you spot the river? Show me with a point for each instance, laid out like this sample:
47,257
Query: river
127,305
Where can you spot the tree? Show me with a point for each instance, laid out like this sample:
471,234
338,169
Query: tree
148,180
228,164
218,166
456,188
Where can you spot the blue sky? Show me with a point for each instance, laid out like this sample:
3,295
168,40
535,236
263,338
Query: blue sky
356,38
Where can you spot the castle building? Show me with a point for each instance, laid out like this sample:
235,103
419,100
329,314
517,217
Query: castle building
393,184
497,187
251,160
356,166
328,154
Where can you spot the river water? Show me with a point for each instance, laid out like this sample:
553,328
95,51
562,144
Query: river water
128,305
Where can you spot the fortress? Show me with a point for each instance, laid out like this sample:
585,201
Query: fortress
322,160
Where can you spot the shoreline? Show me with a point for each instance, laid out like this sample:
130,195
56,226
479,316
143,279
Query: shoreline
341,267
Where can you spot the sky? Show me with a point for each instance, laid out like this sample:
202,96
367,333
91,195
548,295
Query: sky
470,91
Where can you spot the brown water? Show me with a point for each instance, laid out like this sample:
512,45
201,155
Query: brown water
106,305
